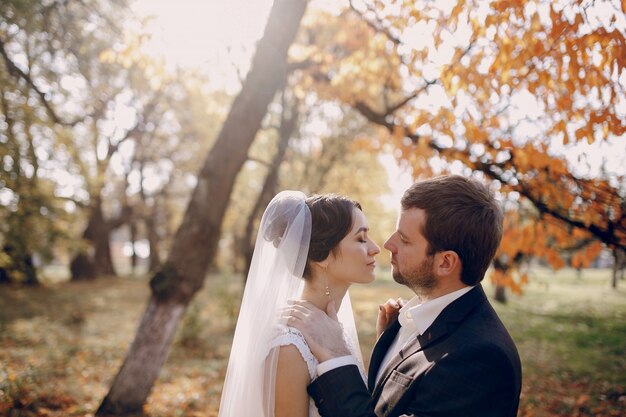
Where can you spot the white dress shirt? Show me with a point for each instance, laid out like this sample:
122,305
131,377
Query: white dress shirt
415,318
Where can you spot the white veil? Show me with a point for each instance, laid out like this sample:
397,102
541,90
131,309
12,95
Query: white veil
275,276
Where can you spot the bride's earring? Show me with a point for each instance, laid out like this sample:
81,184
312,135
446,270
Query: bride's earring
326,288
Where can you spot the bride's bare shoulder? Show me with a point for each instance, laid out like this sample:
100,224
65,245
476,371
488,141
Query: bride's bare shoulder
290,362
292,378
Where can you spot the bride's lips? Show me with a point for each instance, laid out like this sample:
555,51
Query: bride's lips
372,264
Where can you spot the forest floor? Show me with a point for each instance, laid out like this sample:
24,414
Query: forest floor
62,344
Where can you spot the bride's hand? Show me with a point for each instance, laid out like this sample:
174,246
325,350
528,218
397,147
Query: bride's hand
387,313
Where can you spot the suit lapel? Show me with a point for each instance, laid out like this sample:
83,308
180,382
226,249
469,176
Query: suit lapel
380,349
446,322
451,316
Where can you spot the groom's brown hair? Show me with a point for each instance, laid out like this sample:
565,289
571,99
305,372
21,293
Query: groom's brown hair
462,215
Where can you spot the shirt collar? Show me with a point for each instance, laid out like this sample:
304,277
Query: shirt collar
419,316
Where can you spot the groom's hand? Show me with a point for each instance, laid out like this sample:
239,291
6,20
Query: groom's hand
322,330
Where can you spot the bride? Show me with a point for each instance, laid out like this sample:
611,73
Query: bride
308,248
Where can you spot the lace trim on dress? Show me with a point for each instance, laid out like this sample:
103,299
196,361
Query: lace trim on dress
291,336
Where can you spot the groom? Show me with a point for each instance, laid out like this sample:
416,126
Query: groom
447,353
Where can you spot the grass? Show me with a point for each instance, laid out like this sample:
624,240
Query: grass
61,345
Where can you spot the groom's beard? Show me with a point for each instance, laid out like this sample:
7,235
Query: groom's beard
420,280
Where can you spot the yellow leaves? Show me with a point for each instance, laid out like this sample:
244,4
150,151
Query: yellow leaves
505,279
578,20
474,133
561,128
398,133
531,236
538,48
509,246
416,14
577,261
565,102
364,143
584,257
454,15
553,258
503,5
535,23
581,134
524,279
107,56
557,25
423,147
5,260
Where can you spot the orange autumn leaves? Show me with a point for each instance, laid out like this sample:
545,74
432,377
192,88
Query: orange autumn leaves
446,83
527,237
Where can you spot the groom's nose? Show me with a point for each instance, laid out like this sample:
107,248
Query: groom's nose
389,245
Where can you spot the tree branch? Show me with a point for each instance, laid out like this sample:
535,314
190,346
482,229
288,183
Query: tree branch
15,71
377,25
494,171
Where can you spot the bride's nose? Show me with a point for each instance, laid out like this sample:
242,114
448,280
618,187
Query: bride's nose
374,249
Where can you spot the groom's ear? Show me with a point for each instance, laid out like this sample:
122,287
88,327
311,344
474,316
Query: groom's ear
447,262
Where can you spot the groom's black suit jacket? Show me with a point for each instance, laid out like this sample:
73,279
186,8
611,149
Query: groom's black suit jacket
465,364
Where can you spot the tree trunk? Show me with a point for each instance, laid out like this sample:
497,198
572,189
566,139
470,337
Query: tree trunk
196,240
619,262
288,124
150,220
96,261
132,227
500,290
153,240
500,294
158,325
616,265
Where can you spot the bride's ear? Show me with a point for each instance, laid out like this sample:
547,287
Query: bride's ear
321,265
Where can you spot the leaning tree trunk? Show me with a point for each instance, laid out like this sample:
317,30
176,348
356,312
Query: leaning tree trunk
196,240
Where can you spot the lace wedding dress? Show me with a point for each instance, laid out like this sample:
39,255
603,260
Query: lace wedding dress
286,335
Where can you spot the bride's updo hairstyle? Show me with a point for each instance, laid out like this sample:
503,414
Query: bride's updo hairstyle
331,221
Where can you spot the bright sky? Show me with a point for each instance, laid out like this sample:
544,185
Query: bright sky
212,34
